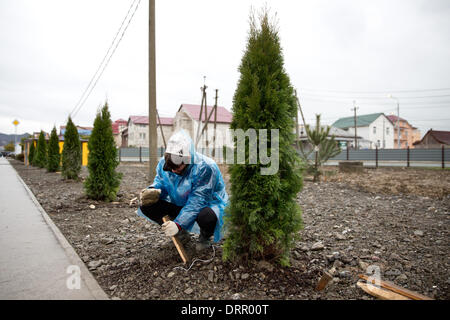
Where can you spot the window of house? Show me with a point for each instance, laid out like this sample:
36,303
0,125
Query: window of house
374,130
387,131
142,135
378,143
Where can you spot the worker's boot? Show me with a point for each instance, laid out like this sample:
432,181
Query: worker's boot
203,243
184,237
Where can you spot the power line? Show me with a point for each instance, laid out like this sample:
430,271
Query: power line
374,92
109,59
104,58
428,107
430,120
346,100
85,96
370,98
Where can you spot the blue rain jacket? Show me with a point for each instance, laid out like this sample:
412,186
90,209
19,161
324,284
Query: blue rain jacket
200,186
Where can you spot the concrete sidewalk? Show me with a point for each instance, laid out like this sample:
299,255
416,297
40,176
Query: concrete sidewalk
36,261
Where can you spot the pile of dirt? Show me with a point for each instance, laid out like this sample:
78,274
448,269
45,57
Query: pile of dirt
433,183
406,236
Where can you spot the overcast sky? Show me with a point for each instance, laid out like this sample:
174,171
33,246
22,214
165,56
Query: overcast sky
335,51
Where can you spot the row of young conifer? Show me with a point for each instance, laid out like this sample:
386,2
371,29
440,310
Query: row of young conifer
103,181
263,218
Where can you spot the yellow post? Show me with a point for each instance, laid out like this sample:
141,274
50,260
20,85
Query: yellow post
85,153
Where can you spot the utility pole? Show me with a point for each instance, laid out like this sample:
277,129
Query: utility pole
203,89
297,134
215,125
354,109
300,108
161,130
15,123
398,124
152,132
398,119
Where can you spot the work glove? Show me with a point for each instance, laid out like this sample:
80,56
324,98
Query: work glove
170,228
149,196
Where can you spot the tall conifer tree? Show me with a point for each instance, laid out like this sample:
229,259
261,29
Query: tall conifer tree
103,181
54,156
31,152
71,154
40,155
263,218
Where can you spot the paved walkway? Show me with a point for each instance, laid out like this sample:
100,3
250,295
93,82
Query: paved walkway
36,261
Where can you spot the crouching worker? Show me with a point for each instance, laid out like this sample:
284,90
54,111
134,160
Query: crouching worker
189,188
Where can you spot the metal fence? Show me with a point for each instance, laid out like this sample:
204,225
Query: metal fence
370,157
141,154
407,157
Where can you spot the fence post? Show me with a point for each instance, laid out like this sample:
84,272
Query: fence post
120,154
376,157
443,157
140,154
347,151
407,157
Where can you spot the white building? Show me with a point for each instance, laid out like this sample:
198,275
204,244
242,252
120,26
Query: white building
376,128
188,118
136,133
341,136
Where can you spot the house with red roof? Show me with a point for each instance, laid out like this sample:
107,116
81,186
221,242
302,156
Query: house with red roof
434,139
408,133
117,127
188,118
136,132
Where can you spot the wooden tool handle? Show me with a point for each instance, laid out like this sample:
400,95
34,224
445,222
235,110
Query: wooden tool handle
394,288
326,277
379,292
178,244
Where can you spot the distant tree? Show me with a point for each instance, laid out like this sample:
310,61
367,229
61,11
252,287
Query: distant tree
10,146
263,217
54,156
103,181
71,154
31,152
40,156
322,145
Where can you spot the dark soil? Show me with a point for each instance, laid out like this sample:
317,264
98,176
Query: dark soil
351,222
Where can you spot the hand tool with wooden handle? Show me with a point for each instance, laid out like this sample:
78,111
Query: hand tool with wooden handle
397,289
178,244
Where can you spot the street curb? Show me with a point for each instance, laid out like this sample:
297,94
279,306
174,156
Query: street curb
87,277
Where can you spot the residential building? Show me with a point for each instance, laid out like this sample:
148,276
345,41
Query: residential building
342,137
34,140
434,139
36,135
188,118
117,127
82,131
408,133
136,132
376,128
